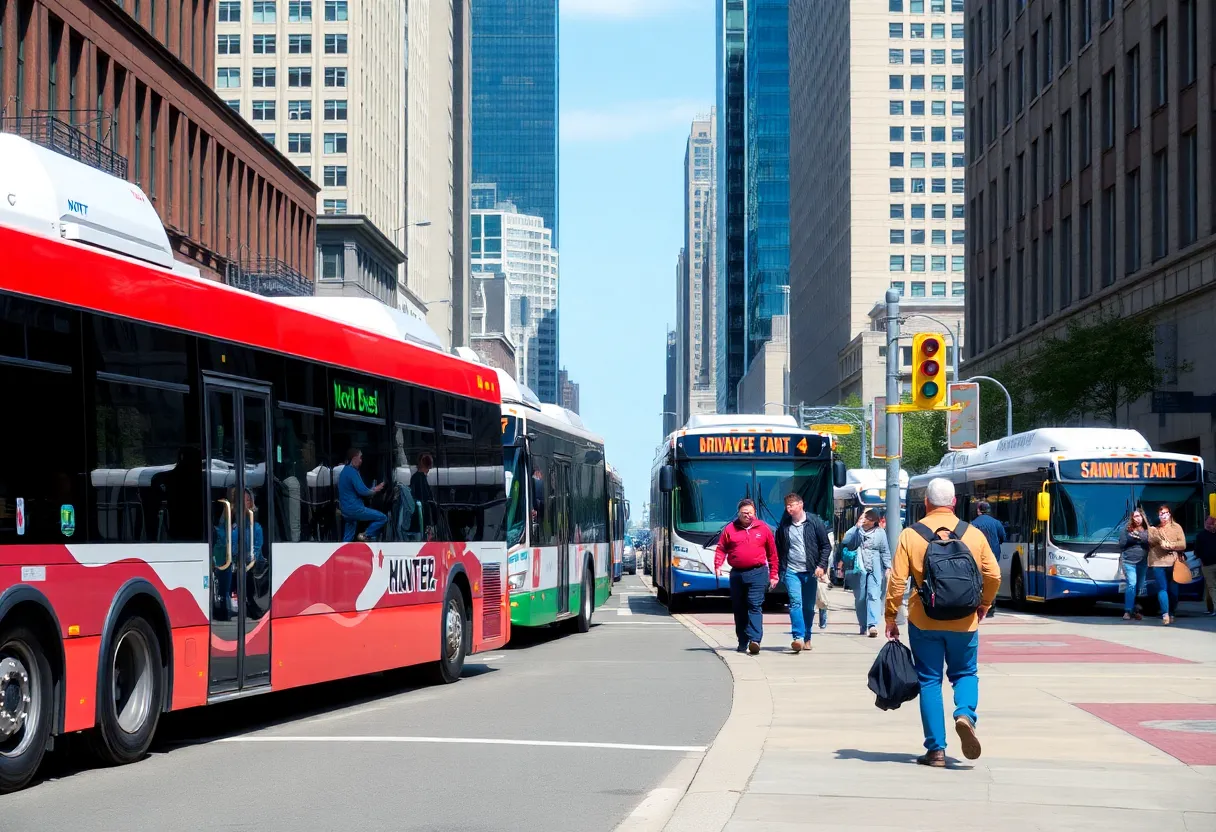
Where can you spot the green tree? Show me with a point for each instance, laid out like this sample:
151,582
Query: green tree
848,447
924,441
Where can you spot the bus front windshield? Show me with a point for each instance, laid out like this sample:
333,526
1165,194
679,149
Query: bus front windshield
516,479
1093,513
710,491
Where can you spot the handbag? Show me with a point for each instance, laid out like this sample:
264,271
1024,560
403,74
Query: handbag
1182,572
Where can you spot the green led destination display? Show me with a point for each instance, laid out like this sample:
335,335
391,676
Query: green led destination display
358,400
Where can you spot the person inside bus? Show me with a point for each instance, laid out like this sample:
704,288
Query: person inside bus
1166,541
1134,545
803,550
869,541
1205,550
424,497
351,492
747,544
993,530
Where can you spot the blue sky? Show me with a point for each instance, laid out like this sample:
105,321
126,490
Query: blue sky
634,73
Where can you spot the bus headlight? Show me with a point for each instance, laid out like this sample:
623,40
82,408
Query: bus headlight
1063,570
516,581
688,565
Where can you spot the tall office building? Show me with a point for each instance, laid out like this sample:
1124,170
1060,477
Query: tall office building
731,202
877,153
695,277
520,247
670,422
515,116
1090,188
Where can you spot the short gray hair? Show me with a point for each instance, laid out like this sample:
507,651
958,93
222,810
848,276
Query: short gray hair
940,493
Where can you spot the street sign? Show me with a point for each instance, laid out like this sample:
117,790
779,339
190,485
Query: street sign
879,449
964,425
1182,401
833,428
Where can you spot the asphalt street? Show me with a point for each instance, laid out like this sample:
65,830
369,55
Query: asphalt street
581,716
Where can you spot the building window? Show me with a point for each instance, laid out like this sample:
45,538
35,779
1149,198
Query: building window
1087,248
264,76
897,263
897,186
1048,50
1048,273
896,108
938,31
335,44
264,11
918,186
918,262
299,76
333,206
895,82
1065,262
1187,42
1066,31
1108,10
916,31
270,138
306,170
335,109
229,11
335,176
937,262
1161,69
264,44
1086,136
957,134
1066,146
1131,89
918,107
937,108
332,260
958,237
897,236
1033,175
1086,31
1188,188
1021,80
227,77
228,44
1033,65
918,235
895,31
937,57
916,57
918,211
898,286
299,110
299,44
299,142
335,143
264,110
1131,223
299,11
1007,96
939,289
1161,204
937,237
1020,187
958,263
234,104
1108,236
897,134
1048,159
335,76
897,210
918,291
335,10
895,56
897,160
938,160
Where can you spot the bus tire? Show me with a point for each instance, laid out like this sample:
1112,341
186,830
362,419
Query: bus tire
677,603
131,693
586,603
1017,586
662,594
26,684
453,637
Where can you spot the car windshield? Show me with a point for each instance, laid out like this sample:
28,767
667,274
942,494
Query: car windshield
516,478
1090,513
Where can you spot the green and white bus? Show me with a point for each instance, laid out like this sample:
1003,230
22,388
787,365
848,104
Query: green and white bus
559,559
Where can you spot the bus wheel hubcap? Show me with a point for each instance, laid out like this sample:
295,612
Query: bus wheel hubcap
17,705
455,630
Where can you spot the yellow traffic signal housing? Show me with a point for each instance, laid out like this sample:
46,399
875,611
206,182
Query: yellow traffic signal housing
928,370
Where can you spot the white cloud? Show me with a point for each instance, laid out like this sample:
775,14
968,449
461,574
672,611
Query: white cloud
630,119
626,9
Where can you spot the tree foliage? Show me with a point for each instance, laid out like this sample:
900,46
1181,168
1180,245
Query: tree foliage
924,441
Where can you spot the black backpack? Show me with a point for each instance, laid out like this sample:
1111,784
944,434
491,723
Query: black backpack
953,587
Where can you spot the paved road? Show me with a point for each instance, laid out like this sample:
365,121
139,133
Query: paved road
232,767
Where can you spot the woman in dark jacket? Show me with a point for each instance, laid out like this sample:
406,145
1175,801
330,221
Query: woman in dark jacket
1133,542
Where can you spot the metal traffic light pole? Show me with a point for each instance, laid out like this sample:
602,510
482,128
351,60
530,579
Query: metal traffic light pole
893,436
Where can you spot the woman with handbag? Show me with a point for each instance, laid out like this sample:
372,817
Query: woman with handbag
1134,545
1166,542
872,567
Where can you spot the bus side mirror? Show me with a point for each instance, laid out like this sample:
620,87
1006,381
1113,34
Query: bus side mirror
840,474
1044,507
667,479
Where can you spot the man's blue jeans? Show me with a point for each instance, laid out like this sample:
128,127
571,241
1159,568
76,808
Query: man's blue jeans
868,598
959,653
351,521
747,588
802,588
1134,574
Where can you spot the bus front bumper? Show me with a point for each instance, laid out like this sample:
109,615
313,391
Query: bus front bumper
1060,588
698,583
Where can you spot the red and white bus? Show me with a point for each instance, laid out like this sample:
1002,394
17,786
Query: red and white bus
170,530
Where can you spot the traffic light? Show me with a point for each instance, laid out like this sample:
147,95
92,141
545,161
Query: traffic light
928,371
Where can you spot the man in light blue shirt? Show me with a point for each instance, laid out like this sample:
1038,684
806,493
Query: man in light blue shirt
351,491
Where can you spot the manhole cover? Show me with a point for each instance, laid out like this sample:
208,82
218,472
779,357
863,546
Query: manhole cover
1189,726
1027,643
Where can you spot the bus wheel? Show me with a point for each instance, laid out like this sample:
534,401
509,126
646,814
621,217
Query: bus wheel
25,706
586,603
453,644
663,598
677,603
1018,589
132,693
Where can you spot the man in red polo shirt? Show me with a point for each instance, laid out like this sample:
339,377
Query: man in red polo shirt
747,544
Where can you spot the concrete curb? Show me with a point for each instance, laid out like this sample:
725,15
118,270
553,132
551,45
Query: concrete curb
702,791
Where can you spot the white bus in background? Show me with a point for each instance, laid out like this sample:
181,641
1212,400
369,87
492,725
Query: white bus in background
1063,495
864,488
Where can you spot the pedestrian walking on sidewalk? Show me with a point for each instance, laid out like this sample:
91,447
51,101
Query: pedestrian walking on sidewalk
747,544
1166,541
1205,550
803,550
938,641
869,541
1133,544
993,530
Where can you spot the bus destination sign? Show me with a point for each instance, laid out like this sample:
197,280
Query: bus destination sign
752,444
357,400
1128,470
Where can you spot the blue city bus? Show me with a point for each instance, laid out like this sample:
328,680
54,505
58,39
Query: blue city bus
702,471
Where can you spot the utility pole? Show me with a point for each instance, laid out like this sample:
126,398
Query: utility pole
894,439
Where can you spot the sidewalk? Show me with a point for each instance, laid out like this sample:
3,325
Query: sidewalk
1086,723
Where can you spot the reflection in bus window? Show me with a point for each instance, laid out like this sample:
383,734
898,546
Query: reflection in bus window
541,529
776,479
516,482
709,494
1089,513
302,486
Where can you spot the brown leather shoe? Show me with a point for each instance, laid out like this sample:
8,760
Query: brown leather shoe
753,648
933,759
796,645
966,733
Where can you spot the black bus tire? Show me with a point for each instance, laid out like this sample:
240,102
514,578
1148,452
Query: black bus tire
132,690
26,673
586,603
454,637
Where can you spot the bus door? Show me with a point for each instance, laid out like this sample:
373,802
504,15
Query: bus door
238,437
1036,554
560,476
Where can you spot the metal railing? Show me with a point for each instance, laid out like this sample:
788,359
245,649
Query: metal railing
268,276
43,127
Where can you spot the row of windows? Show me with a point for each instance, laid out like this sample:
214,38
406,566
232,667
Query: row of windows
333,206
267,110
229,77
302,143
936,237
916,57
936,160
937,263
918,6
916,107
936,186
336,44
266,11
917,134
938,290
937,210
916,83
916,31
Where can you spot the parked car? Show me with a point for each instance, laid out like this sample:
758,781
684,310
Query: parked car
629,560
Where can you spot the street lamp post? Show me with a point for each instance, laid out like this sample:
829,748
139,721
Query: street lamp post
849,415
1008,401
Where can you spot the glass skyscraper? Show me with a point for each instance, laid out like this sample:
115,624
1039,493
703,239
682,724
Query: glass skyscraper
768,168
730,291
515,117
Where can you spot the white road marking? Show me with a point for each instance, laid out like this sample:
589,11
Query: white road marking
623,607
616,746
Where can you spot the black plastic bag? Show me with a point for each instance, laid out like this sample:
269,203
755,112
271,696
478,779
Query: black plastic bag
893,676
